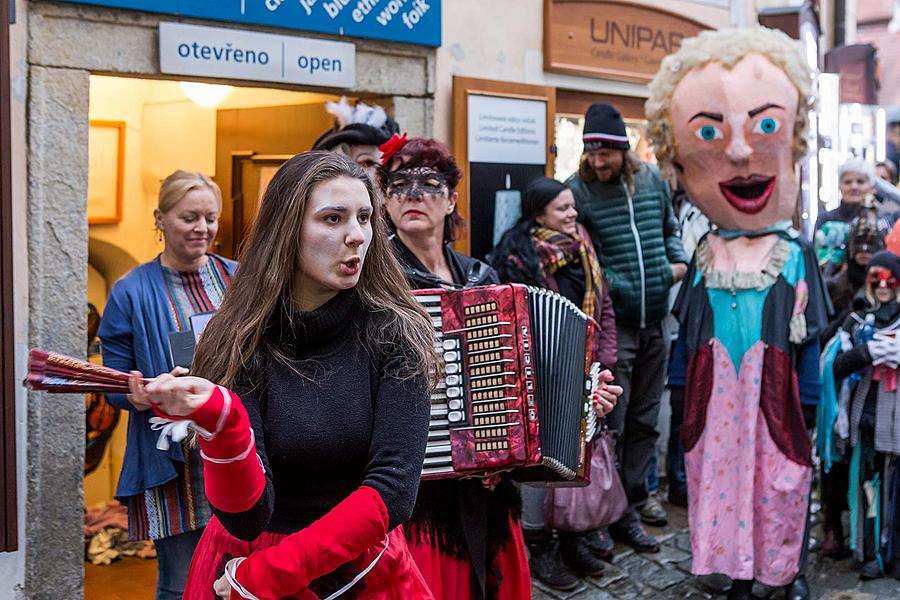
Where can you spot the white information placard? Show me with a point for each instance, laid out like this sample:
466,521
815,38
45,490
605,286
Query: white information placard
507,130
236,54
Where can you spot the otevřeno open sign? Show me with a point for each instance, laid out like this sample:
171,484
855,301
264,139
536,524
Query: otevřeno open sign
237,54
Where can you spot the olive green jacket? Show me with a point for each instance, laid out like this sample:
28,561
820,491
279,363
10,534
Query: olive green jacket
637,239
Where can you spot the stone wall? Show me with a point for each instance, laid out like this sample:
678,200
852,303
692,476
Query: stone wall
68,36
66,44
57,249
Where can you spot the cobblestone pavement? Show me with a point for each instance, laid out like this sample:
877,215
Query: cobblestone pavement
667,575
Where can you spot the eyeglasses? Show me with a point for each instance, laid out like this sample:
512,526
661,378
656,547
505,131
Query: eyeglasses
882,277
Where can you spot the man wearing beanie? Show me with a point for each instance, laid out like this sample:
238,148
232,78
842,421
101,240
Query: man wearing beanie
626,207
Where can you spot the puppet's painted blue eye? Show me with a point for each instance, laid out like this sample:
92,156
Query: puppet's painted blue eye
767,126
709,132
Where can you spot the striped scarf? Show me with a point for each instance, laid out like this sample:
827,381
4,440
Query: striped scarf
556,249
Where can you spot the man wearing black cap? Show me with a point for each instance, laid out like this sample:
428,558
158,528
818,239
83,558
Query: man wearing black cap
626,207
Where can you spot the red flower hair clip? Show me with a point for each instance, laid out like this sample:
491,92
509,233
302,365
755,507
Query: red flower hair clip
392,147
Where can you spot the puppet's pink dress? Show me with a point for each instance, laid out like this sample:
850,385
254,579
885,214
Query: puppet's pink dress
747,492
748,514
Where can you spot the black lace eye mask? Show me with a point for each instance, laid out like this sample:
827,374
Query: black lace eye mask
417,182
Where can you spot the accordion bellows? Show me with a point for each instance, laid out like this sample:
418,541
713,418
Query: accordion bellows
515,393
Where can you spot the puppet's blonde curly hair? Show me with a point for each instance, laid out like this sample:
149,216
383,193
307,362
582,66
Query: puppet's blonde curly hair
728,47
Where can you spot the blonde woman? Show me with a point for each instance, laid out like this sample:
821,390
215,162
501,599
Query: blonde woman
164,490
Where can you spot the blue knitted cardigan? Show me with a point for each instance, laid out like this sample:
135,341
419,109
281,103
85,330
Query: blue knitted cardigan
134,334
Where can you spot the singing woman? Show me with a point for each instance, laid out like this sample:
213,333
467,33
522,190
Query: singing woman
311,397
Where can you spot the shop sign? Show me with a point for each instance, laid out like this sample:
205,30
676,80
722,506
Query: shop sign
507,130
613,40
238,54
857,66
411,21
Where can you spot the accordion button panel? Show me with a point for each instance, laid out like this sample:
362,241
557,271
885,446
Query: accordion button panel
485,412
476,419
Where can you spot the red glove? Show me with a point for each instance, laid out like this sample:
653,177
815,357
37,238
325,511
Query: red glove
358,523
232,471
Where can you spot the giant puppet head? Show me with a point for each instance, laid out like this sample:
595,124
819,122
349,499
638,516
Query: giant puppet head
729,112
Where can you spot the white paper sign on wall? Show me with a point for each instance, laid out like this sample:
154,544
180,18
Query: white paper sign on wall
507,130
237,54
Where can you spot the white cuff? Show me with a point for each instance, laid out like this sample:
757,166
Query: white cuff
230,570
239,457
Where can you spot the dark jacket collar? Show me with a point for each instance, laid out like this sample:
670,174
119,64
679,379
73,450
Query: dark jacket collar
467,272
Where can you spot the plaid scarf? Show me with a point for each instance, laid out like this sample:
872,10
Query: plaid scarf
556,249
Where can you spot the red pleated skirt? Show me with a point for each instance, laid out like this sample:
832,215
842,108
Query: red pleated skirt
395,577
449,577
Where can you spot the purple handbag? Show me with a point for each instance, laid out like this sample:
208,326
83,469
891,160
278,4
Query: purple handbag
598,504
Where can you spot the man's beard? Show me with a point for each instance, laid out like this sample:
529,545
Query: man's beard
606,175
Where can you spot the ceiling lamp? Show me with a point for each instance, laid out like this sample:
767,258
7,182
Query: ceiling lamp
206,94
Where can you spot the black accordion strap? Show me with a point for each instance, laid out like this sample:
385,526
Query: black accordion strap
473,510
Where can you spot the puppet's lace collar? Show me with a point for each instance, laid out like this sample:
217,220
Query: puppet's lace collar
742,280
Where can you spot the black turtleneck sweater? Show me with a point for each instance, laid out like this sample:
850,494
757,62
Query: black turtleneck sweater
343,415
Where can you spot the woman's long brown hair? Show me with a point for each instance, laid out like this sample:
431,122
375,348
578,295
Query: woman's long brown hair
265,279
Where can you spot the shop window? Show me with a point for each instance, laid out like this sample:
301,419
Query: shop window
568,146
502,139
8,531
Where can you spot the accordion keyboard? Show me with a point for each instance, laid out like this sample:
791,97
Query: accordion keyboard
512,394
470,415
493,380
438,452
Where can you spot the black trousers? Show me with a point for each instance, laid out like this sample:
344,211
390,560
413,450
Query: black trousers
641,371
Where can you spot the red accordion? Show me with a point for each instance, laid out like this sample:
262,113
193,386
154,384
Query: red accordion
515,393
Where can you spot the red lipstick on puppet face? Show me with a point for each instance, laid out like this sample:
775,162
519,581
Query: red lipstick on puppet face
748,194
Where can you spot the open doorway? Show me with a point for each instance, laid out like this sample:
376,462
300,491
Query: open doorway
141,131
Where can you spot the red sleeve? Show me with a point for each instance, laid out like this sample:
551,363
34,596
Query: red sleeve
358,523
232,471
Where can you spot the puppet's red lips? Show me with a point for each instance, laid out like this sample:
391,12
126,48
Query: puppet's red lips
748,194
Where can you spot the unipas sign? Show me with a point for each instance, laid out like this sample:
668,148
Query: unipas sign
614,40
411,21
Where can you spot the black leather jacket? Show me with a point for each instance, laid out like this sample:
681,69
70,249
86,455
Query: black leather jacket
467,271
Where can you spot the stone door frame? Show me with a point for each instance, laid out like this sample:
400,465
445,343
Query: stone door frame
66,45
